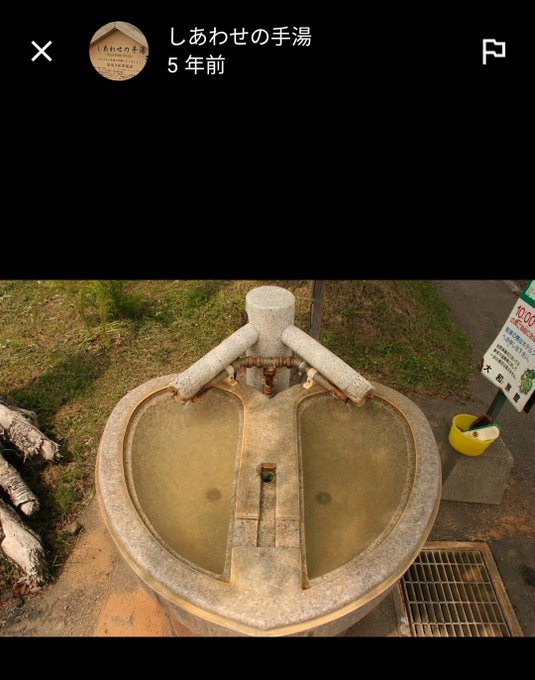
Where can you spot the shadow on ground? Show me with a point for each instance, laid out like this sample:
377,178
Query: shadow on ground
58,485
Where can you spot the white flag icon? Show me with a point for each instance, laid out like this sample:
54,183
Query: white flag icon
487,52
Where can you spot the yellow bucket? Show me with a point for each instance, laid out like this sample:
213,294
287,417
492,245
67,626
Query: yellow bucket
463,443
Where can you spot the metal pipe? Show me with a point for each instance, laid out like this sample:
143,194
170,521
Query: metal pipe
287,362
316,308
269,380
270,367
346,379
313,376
496,406
193,379
261,362
318,378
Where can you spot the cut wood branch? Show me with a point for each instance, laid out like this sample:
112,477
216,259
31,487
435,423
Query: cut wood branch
16,428
22,545
18,542
16,488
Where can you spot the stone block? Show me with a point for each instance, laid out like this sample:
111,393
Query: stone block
480,479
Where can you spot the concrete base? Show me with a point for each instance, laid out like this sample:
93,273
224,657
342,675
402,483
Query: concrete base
388,619
515,558
475,480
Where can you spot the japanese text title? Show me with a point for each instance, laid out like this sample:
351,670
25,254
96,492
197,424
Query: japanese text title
277,36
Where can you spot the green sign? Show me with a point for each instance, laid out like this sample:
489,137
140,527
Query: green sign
528,294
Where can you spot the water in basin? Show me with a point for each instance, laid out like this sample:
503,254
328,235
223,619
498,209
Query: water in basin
358,466
183,463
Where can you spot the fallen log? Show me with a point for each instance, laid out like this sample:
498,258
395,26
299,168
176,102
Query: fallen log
16,427
19,543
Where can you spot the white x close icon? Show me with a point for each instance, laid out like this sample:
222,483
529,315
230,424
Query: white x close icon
41,50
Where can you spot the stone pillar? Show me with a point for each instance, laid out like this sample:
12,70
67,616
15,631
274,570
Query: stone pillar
270,310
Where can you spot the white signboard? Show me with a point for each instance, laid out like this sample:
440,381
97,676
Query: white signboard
509,362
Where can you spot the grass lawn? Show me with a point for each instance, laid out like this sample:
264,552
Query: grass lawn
70,356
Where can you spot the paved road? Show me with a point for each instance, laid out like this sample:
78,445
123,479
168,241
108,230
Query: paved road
480,308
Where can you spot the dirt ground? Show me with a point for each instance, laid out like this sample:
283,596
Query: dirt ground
95,595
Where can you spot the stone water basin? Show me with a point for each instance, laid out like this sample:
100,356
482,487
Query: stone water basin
245,515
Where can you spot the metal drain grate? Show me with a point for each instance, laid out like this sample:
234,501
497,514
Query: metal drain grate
455,590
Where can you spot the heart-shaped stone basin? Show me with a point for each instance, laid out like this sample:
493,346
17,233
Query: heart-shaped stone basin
250,515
